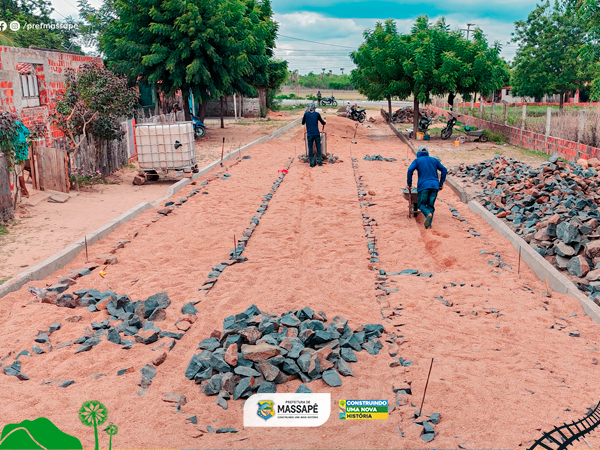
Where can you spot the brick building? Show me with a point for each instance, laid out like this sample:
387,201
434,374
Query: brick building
30,80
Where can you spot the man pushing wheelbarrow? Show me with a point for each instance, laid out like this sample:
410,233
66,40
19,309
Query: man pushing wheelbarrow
428,182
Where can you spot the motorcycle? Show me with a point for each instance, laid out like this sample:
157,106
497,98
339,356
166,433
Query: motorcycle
199,127
447,130
329,101
358,115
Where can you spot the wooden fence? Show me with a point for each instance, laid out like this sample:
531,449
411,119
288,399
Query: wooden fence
6,205
49,168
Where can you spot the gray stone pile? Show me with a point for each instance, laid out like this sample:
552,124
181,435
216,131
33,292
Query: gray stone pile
554,208
328,158
378,158
256,351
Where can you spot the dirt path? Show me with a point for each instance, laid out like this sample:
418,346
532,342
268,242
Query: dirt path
500,374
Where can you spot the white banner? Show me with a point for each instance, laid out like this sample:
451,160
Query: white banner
287,410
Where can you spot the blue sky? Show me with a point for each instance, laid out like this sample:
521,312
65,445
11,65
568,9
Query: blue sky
340,23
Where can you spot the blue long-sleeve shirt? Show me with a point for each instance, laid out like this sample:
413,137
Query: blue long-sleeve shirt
311,120
427,169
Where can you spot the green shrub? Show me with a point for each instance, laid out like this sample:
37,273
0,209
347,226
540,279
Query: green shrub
495,137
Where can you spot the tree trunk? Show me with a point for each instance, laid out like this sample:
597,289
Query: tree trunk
451,97
562,101
262,101
389,99
416,116
202,112
186,105
241,107
222,124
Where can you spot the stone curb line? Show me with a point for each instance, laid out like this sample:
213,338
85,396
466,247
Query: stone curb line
236,253
540,267
62,258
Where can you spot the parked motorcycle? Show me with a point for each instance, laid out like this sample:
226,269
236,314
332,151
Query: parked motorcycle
329,101
447,130
199,127
358,114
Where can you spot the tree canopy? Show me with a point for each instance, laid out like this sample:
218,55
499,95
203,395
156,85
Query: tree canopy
548,60
430,60
213,47
38,12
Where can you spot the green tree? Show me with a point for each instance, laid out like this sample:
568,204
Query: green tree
430,60
213,47
379,72
38,12
94,101
588,14
548,59
93,414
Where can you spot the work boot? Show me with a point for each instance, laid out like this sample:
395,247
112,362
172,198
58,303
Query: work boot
24,191
428,220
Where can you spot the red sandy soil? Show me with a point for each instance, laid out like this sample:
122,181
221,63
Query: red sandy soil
498,379
43,228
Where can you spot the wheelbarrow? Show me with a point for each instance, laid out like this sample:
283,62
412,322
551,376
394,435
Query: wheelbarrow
413,201
479,134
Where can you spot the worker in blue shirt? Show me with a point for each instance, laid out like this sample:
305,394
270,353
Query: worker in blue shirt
311,119
428,184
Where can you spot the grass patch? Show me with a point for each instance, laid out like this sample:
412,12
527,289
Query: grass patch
131,166
535,153
243,123
3,230
4,280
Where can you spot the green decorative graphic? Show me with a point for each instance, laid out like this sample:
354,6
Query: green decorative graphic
93,414
36,434
111,430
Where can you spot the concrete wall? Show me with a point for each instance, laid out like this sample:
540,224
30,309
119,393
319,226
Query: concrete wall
50,67
568,150
6,207
251,107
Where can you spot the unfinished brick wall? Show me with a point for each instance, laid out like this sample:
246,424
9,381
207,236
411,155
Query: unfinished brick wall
530,140
50,67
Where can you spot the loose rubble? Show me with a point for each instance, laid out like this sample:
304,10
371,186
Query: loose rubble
328,158
378,158
406,115
554,208
256,351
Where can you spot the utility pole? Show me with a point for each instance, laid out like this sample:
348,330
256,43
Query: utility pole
468,29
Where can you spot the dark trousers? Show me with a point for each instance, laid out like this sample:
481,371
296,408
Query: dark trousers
426,199
311,156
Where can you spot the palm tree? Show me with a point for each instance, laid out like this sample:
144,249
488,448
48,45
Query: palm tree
342,69
111,430
93,413
323,74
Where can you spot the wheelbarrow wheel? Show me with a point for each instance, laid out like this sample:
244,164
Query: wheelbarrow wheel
483,138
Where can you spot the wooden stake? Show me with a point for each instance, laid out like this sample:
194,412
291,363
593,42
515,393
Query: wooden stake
222,151
519,267
547,287
86,251
425,391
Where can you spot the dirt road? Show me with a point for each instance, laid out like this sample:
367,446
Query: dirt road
501,374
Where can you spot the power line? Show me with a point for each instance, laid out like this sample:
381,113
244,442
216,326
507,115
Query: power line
315,42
